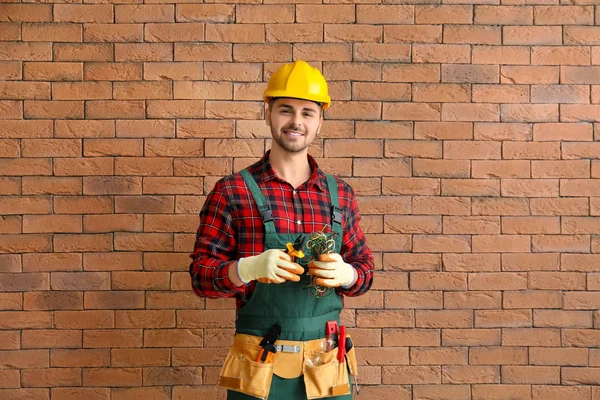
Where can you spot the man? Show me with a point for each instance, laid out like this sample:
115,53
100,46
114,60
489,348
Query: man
253,232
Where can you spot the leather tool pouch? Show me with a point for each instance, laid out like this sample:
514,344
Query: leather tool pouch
241,373
324,375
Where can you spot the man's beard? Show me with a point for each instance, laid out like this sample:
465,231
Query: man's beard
289,146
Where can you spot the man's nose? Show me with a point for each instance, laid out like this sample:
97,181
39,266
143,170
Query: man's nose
296,119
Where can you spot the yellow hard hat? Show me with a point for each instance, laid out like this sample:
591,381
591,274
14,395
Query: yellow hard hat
300,81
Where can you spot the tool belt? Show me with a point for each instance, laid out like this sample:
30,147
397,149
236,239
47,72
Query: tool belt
324,375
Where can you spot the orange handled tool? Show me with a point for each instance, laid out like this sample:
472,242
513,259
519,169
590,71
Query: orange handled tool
295,249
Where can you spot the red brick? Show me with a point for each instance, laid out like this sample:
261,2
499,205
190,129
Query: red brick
429,356
500,94
558,356
470,374
530,225
412,262
345,33
10,31
513,55
562,319
84,319
111,109
529,112
11,70
582,35
470,73
10,379
471,262
445,14
438,281
560,206
441,168
177,375
410,374
171,32
503,243
77,393
532,35
471,337
385,14
562,243
23,359
531,374
411,73
205,12
203,51
112,71
51,377
441,93
473,34
580,113
408,300
18,243
413,33
11,301
57,32
530,337
580,150
498,355
263,14
413,224
579,75
552,55
412,148
532,298
580,300
443,130
503,318
113,377
554,392
472,300
242,33
564,15
136,52
145,128
498,392
23,91
113,32
357,110
441,53
529,75
26,12
503,15
150,393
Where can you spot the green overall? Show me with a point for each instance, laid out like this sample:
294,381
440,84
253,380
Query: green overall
301,315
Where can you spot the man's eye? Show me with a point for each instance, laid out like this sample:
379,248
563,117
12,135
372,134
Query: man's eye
308,115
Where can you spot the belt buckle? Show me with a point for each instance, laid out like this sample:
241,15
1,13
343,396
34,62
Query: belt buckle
288,349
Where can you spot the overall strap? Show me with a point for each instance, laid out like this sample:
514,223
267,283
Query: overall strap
259,199
336,211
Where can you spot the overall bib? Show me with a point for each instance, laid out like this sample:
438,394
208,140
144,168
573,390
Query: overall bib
302,316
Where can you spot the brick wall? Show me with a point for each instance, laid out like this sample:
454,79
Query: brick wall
466,129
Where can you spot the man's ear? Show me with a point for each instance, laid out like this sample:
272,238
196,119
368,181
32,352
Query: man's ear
268,114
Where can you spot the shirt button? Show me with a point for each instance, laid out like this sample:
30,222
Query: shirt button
298,222
294,192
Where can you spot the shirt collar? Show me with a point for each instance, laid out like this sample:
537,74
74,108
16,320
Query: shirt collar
265,172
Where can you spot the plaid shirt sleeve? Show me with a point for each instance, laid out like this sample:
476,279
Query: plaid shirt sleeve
354,246
214,249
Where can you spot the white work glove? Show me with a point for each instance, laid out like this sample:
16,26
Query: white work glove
272,266
332,271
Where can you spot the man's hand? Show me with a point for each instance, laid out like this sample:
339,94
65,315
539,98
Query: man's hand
332,271
272,266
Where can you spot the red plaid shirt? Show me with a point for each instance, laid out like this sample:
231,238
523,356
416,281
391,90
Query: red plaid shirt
231,227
